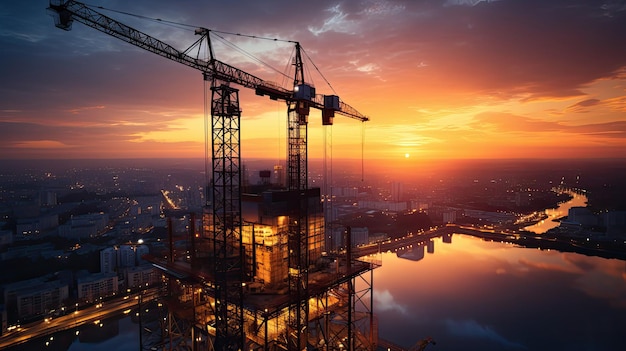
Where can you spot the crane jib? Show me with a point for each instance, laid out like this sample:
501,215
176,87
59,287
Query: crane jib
66,12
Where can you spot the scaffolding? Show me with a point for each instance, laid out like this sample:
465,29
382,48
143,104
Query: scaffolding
254,273
339,304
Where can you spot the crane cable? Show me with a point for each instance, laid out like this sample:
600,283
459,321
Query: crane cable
207,178
158,20
362,151
245,53
320,72
328,180
192,28
255,37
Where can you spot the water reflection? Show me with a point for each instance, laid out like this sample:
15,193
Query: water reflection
126,337
473,294
553,214
118,333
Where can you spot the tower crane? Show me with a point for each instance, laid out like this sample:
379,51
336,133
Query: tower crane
226,170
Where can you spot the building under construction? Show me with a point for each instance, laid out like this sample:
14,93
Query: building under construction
252,271
338,302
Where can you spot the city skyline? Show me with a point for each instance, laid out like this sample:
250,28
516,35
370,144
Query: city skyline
448,79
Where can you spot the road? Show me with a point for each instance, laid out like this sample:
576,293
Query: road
91,314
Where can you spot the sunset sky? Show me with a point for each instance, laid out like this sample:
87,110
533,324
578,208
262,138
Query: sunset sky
439,79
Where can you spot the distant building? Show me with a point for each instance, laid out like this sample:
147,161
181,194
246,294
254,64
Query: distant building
397,191
615,223
417,205
92,287
31,252
337,238
108,260
141,275
383,205
32,298
113,259
140,251
378,237
150,205
449,216
490,217
523,198
126,256
84,226
582,216
47,198
360,236
279,175
351,192
32,228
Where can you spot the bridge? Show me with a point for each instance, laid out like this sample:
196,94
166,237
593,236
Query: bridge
582,246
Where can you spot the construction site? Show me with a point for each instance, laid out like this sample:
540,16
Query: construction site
253,269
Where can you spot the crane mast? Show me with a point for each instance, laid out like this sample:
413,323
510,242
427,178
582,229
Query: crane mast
226,174
297,184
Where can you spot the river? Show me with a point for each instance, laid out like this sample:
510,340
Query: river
478,295
553,214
